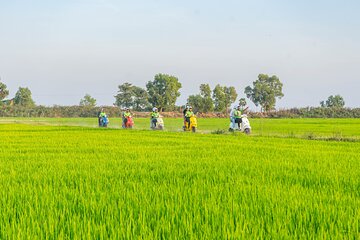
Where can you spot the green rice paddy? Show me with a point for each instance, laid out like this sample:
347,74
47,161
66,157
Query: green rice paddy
68,179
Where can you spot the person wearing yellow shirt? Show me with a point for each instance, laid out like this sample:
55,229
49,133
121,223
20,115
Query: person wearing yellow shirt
125,116
103,119
154,116
237,115
189,113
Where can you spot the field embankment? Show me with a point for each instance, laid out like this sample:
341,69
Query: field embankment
326,129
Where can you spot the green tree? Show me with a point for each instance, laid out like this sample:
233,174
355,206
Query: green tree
205,90
132,97
4,92
141,97
196,101
207,101
223,97
202,102
163,91
23,98
88,101
336,101
264,92
125,95
230,96
219,97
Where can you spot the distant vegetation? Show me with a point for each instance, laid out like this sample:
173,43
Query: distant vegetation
88,101
86,111
336,101
264,92
164,90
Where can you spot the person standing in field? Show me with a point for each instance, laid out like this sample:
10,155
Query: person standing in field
232,118
237,115
101,114
189,113
186,108
154,116
125,116
122,114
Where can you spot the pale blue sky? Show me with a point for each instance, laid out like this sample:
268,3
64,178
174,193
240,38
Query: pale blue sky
64,49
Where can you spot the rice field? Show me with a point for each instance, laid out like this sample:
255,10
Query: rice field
65,179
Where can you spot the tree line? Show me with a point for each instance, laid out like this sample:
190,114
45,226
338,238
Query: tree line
112,111
22,97
163,91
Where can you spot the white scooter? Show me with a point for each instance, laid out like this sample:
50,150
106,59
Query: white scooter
244,126
159,125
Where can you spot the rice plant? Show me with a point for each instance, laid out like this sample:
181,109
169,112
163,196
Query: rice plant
64,182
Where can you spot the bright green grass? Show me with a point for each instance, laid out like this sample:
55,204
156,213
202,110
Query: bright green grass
61,182
300,128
